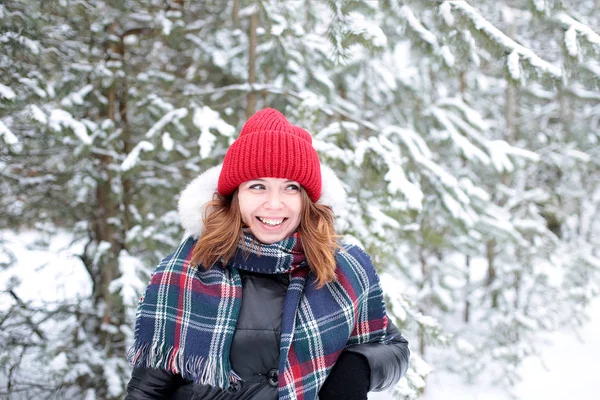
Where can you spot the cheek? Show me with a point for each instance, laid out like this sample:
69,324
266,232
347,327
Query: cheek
246,217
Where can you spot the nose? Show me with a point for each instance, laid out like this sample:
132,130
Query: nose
274,200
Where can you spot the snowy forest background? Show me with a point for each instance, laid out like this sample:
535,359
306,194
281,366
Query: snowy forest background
467,135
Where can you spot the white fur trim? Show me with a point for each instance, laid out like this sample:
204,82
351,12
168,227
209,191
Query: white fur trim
332,190
193,199
202,189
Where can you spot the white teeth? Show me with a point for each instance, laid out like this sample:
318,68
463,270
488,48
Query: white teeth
271,222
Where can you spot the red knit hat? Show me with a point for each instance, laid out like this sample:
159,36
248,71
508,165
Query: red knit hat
269,146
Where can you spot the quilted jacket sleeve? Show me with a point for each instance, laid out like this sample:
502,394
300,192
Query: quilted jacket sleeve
388,361
150,383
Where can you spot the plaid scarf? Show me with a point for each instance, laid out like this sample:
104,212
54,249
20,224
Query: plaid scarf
186,320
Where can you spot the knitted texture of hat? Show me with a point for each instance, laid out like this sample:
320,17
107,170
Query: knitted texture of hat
269,146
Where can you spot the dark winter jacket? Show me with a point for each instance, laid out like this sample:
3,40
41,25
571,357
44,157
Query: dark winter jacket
255,352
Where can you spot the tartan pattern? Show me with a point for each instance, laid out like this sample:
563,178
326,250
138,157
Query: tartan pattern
186,319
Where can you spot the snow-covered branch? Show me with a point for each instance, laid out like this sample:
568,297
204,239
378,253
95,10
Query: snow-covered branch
169,117
582,30
329,109
500,39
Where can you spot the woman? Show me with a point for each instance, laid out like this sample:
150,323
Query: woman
260,301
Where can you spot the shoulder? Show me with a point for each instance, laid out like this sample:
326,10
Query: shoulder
352,259
170,270
356,252
182,255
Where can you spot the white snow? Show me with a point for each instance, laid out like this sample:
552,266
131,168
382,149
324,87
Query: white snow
47,275
33,85
206,119
32,45
381,222
38,115
76,98
512,62
467,148
360,26
571,41
165,23
113,377
517,151
580,91
61,118
540,5
498,151
567,369
167,119
579,155
59,362
133,157
447,55
130,283
584,30
6,92
418,27
398,183
167,141
446,12
8,136
501,39
335,128
130,40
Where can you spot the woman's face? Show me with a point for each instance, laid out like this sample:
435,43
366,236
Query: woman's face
270,207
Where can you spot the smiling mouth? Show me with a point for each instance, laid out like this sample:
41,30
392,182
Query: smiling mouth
271,221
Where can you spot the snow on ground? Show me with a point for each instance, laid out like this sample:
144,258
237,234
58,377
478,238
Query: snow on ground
570,366
568,369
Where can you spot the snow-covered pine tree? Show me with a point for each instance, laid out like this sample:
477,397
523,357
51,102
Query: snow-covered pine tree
522,292
99,141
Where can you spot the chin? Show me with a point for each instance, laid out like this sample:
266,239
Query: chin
270,239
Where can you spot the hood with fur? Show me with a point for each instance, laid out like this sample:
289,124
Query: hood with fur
202,189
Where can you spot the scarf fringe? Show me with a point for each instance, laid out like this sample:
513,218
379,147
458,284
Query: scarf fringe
204,370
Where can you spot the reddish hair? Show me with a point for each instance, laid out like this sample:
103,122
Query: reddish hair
223,231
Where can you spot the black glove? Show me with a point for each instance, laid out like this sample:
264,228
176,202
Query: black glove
349,379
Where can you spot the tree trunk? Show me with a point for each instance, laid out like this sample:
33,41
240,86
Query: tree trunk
127,147
307,17
107,227
517,284
510,106
468,286
509,112
251,98
491,271
235,12
425,276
